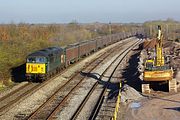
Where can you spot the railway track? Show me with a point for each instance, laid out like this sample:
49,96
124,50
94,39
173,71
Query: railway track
58,99
9,100
19,94
14,97
13,92
60,96
112,67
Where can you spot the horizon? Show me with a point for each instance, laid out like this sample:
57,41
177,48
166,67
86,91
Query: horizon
97,22
102,11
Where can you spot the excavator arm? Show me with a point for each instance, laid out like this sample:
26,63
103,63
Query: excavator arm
159,60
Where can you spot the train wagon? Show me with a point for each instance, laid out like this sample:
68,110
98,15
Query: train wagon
72,53
99,42
44,63
107,40
84,49
116,38
92,45
112,39
120,36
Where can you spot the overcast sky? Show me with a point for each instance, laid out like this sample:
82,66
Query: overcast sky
85,11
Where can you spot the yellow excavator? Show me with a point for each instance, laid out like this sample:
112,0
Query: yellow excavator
156,70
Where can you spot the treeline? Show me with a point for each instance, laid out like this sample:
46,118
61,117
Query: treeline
170,29
18,40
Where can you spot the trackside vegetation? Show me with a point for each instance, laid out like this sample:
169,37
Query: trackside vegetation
19,40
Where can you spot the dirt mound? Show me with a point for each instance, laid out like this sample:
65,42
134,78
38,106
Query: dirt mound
149,43
167,44
130,94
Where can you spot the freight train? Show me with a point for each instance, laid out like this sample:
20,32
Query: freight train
45,63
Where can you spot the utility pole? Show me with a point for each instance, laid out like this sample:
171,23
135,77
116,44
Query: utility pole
167,31
150,31
110,30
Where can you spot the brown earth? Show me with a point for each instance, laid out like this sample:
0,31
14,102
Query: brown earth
149,43
166,108
159,105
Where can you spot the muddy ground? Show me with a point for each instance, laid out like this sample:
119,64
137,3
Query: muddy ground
159,105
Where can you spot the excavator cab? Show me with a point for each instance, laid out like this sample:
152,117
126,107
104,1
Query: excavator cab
149,64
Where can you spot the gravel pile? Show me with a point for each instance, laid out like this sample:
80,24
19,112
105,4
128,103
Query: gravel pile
130,94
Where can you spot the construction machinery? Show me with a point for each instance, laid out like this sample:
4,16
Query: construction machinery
156,69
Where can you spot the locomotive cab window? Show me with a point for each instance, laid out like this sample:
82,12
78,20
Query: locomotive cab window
31,59
40,60
36,59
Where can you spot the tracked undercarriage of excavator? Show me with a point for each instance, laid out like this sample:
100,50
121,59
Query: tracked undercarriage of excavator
155,68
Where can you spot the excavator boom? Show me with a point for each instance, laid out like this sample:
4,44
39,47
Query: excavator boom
159,49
